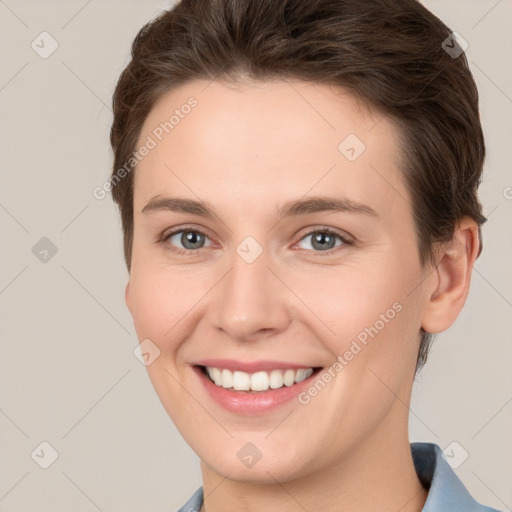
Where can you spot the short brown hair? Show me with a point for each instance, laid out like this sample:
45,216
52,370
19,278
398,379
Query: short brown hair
389,53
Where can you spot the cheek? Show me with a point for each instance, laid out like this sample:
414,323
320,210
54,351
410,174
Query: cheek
160,300
349,300
372,315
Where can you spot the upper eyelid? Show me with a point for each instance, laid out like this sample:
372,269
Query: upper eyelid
174,231
344,237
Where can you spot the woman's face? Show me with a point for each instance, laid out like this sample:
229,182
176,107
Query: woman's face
258,286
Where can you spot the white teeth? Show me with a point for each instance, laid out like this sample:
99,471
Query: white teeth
259,381
241,380
227,379
215,375
289,377
276,379
303,374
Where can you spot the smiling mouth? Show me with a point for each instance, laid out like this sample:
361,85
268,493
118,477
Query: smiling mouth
257,382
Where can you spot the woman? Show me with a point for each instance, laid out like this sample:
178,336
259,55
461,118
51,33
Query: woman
297,183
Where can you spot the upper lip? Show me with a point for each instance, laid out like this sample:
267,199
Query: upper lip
250,366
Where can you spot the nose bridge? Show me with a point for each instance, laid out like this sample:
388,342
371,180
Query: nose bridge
250,299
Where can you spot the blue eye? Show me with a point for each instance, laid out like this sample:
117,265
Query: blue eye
192,240
324,240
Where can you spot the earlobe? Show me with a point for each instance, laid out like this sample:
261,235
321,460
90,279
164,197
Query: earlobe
451,278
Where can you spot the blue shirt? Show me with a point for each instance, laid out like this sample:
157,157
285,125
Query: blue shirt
446,491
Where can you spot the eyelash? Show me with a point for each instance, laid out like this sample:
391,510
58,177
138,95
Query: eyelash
165,237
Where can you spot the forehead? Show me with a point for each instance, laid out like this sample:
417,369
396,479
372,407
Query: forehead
275,139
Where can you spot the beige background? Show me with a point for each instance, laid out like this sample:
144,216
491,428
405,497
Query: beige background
68,375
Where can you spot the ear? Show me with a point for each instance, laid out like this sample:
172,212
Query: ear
451,277
127,298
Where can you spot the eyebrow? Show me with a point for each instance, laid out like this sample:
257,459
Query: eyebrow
288,209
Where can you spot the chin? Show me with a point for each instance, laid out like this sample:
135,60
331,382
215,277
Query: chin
263,471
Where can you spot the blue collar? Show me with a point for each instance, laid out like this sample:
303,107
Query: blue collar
446,491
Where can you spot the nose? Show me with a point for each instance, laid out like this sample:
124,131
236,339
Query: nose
250,302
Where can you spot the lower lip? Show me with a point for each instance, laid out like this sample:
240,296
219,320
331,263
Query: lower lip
253,403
